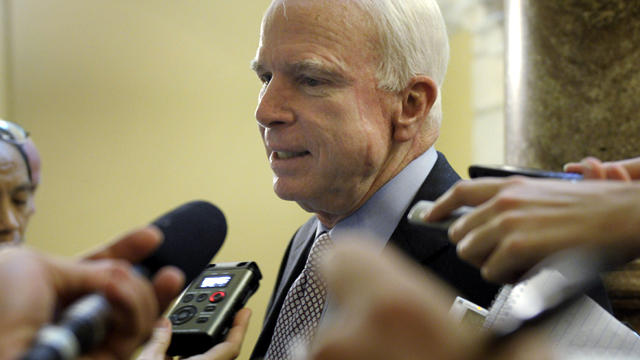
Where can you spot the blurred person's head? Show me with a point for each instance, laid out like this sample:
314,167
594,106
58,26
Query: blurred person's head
19,177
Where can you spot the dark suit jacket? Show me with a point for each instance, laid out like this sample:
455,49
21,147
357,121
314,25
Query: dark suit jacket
427,247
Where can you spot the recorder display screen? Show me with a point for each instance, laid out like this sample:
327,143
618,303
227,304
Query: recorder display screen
217,281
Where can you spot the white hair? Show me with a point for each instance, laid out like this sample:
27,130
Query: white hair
413,41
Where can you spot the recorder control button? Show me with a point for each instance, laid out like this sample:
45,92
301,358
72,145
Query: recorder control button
217,296
183,314
201,297
210,308
187,298
202,319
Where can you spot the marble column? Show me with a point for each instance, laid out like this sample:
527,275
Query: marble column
573,90
573,81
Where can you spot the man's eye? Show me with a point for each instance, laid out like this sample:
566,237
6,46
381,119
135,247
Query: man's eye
20,198
311,82
19,201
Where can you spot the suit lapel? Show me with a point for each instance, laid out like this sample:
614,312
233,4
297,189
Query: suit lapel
422,243
295,262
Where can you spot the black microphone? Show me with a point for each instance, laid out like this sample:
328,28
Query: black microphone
193,234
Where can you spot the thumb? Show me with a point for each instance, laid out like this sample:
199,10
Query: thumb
156,347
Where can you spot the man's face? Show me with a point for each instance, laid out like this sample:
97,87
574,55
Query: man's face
16,195
325,125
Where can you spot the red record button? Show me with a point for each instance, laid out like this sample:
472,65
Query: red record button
217,296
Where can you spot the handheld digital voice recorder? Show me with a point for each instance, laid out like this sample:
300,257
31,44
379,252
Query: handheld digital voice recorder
203,314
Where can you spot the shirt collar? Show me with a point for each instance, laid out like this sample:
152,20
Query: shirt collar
380,215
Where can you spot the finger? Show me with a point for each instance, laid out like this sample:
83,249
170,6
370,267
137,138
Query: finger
461,228
230,348
593,169
616,171
465,192
523,243
167,283
131,299
585,167
477,245
240,325
507,263
156,347
573,167
134,307
133,295
133,246
72,279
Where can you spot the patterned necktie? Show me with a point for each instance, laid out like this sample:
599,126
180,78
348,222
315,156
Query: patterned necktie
302,307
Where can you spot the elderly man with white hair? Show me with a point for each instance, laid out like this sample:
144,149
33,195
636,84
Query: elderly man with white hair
349,112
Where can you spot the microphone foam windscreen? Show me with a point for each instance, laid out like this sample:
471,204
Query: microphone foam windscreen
193,234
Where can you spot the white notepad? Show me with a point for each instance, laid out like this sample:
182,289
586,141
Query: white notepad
584,330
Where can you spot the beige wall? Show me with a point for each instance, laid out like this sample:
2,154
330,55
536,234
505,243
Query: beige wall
456,132
138,106
4,36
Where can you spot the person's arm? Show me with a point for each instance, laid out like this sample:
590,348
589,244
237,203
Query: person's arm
518,221
34,284
388,308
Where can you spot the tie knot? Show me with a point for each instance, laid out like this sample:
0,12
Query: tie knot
319,249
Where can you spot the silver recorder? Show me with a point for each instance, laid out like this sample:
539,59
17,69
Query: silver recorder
203,314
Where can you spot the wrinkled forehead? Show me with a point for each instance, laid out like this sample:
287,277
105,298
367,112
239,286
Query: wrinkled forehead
337,29
11,161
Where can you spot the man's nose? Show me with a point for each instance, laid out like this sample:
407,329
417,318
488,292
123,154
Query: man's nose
8,218
274,104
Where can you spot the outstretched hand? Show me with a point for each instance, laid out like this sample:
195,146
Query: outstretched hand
35,284
519,221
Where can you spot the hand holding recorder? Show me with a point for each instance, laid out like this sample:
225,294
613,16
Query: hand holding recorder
518,221
186,238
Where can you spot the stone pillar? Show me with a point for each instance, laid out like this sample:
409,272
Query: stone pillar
573,90
573,81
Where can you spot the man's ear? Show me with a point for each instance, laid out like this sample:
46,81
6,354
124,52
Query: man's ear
417,99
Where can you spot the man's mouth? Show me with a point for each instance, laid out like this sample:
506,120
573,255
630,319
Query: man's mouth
283,155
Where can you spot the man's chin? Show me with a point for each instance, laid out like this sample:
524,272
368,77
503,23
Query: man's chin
288,188
286,194
291,194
